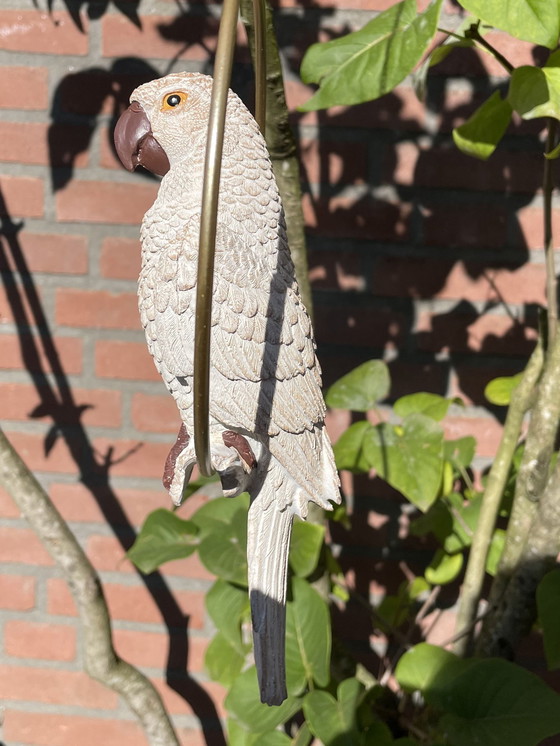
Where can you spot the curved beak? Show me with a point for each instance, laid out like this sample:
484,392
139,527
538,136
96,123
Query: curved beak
136,144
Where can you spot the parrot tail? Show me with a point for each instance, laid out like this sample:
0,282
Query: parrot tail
268,543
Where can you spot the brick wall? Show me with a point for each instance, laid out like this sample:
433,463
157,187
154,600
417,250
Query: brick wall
417,254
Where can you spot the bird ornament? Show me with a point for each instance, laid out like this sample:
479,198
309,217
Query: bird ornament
266,410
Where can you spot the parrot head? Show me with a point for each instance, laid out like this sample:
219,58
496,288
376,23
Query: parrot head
165,119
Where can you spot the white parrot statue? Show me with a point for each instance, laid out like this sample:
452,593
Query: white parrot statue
267,433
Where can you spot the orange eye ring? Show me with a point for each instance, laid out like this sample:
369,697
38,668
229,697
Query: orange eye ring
173,100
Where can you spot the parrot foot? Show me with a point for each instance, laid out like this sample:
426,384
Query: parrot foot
236,465
178,466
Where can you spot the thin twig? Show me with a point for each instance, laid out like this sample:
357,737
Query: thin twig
474,34
492,497
101,660
548,188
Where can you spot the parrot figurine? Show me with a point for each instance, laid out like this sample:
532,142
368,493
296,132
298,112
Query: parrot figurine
266,412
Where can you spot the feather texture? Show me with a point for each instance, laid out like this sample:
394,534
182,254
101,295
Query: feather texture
265,379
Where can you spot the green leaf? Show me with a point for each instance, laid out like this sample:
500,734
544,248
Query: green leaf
370,62
305,547
460,452
535,92
332,720
303,737
238,735
537,21
553,154
163,537
409,457
227,605
218,512
360,389
548,605
431,405
491,702
349,449
484,129
223,660
465,519
424,666
499,391
196,485
443,568
308,638
224,551
243,701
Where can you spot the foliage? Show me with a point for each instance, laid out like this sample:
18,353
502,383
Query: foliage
438,698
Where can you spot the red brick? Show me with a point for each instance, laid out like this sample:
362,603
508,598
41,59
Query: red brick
50,641
424,278
54,687
152,648
400,109
336,270
128,360
31,448
24,88
22,545
101,407
155,413
104,202
76,503
120,258
362,217
460,226
7,310
8,508
334,161
132,603
107,155
33,357
45,33
184,37
486,431
27,142
97,309
107,554
23,196
447,168
351,325
17,592
133,458
471,332
52,253
69,730
531,230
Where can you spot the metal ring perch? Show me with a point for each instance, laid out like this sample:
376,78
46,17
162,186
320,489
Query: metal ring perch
209,212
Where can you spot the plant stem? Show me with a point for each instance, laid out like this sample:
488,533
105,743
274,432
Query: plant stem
476,566
101,661
551,283
282,147
531,482
474,34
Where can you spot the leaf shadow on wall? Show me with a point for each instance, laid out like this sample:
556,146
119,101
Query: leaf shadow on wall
58,403
401,224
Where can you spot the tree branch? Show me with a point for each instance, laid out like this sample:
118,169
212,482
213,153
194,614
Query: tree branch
282,147
101,661
476,566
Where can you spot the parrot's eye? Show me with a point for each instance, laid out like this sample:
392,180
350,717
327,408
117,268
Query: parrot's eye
173,100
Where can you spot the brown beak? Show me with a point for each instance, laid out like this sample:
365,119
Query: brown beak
135,143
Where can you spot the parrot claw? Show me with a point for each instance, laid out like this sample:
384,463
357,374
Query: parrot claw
178,466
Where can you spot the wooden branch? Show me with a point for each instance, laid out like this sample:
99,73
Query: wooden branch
101,661
282,147
476,566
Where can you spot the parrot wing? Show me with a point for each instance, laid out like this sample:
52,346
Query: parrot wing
263,359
